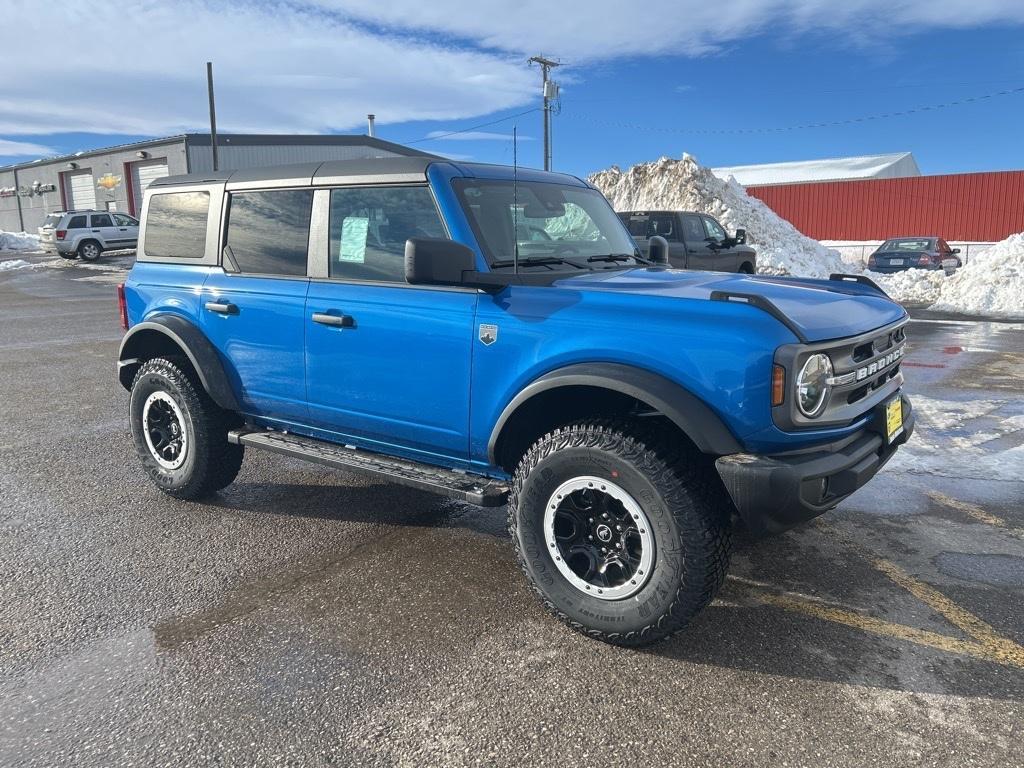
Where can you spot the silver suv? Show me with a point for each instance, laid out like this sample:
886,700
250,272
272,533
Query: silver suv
86,234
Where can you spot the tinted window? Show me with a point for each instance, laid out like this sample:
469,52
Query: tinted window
714,229
268,232
693,230
101,220
369,227
176,225
661,225
125,221
637,225
76,222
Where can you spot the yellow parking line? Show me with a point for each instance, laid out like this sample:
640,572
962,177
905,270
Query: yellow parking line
1000,649
889,629
974,511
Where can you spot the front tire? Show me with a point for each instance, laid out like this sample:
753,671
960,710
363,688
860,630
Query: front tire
89,250
180,434
622,536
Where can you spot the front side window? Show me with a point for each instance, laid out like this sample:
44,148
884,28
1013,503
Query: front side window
369,227
714,229
556,226
176,225
268,232
125,221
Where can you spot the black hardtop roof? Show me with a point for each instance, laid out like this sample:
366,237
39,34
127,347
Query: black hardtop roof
368,170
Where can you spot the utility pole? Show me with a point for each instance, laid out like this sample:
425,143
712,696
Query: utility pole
213,113
550,91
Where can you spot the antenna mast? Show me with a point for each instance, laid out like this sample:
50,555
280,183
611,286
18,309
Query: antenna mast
515,201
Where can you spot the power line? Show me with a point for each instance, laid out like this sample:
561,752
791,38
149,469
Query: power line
474,127
805,126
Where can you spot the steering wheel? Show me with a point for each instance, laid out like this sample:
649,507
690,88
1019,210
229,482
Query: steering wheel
543,235
565,248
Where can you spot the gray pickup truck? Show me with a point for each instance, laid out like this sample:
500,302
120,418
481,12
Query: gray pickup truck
695,240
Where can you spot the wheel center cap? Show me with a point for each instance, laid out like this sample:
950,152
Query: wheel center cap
604,533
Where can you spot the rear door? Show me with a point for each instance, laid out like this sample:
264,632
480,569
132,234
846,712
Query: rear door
387,363
102,228
253,305
698,251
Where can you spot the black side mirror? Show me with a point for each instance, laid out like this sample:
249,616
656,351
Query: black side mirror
658,252
434,261
741,237
956,250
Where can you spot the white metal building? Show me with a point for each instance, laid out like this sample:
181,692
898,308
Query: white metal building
894,166
114,178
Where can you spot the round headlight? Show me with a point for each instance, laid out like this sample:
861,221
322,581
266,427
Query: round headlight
812,384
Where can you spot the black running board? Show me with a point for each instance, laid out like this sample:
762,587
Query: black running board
474,489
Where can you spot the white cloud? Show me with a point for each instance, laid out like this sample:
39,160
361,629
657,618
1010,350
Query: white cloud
321,65
23,148
475,136
277,68
604,29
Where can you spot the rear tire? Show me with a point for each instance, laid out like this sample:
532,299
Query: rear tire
89,250
180,434
577,478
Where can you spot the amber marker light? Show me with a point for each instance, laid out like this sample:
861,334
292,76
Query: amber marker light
778,384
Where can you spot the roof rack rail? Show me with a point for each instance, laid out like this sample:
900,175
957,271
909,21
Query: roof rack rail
863,279
764,305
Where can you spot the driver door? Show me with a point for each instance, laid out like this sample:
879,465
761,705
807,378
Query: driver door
699,254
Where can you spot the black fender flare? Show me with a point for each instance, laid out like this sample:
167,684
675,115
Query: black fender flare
197,348
684,409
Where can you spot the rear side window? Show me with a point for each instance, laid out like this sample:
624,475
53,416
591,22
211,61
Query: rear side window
176,225
101,220
693,230
637,225
268,232
661,225
369,227
76,222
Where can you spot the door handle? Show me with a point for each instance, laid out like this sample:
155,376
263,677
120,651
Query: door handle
95,230
222,308
336,321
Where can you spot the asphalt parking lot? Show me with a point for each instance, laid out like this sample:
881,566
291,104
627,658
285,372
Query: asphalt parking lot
306,617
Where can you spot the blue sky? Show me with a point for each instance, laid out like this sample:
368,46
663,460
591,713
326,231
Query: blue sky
679,77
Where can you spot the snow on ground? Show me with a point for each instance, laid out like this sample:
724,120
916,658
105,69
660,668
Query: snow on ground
18,241
9,264
991,284
688,186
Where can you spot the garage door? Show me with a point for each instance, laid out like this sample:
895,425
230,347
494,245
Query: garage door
142,175
80,190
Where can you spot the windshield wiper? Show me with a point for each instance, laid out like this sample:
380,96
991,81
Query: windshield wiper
536,261
620,257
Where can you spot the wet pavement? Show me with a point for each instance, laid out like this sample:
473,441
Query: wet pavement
307,617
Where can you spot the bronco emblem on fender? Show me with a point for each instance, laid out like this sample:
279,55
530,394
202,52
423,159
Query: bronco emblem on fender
488,334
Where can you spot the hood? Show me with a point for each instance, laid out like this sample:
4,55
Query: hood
820,309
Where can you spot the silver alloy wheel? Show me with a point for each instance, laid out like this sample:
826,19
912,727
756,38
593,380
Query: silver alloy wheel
599,538
89,251
164,427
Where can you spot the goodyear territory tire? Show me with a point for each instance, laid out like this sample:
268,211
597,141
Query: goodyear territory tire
89,250
621,537
180,433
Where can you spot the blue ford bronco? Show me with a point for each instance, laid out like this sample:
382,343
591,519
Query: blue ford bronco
493,334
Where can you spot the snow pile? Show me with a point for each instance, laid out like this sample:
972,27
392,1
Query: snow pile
7,266
685,185
18,241
990,284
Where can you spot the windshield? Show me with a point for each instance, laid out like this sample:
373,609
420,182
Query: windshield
907,244
555,226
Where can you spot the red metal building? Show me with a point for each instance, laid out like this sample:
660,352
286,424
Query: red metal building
977,207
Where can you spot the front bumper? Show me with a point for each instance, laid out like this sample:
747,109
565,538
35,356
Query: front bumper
774,493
